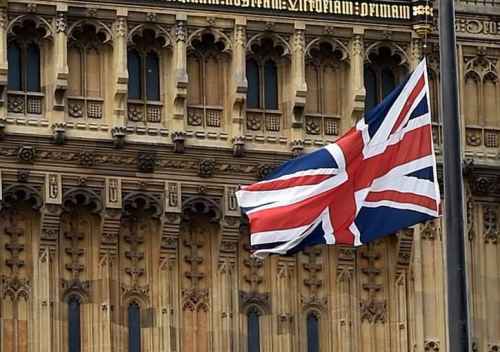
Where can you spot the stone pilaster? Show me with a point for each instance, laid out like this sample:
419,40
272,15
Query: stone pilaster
60,55
3,58
239,82
357,78
120,68
181,77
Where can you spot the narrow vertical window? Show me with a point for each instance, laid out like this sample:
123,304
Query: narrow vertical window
152,76
134,328
388,83
312,333
74,335
371,89
33,68
134,75
253,327
15,67
253,79
271,85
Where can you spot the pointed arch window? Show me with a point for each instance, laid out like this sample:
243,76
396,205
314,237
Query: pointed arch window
134,327
207,82
74,324
86,74
145,78
253,329
312,332
325,80
24,75
381,75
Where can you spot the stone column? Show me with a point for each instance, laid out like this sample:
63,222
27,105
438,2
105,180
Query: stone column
416,52
120,68
358,91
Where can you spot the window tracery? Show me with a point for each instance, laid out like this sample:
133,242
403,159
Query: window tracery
86,64
24,87
383,71
207,86
482,108
144,63
325,75
264,71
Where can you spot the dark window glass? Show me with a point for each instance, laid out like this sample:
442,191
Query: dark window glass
371,89
134,75
253,325
33,68
152,76
388,82
271,85
312,333
15,73
134,328
74,338
253,79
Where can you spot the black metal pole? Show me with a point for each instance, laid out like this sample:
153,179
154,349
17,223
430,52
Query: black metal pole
458,309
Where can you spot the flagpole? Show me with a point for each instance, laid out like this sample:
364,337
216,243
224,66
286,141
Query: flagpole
458,309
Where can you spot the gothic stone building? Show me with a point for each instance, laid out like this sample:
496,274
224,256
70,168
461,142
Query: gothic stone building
126,128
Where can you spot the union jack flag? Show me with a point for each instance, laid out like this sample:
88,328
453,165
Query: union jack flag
378,178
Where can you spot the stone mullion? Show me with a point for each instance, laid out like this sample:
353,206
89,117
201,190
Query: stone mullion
357,76
285,313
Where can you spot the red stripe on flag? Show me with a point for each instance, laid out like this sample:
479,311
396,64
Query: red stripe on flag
402,197
291,182
416,144
409,102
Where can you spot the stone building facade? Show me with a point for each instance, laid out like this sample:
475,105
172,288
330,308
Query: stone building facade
126,128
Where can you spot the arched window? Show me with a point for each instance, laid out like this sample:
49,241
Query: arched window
381,75
74,328
324,78
134,327
263,95
144,78
312,333
86,73
207,81
24,76
253,79
253,330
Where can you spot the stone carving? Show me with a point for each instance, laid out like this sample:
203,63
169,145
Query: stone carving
202,206
26,153
87,159
431,346
23,175
429,230
142,202
118,133
490,224
207,167
58,132
146,161
264,170
134,266
78,198
60,22
15,288
21,193
493,347
178,139
312,281
239,146
180,31
372,309
297,147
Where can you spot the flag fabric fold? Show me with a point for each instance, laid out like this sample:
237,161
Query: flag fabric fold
378,178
